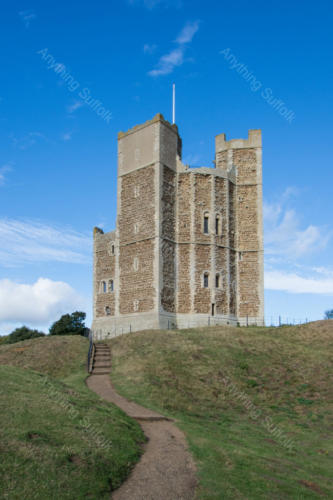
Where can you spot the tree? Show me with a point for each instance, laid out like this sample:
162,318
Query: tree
70,324
329,314
22,333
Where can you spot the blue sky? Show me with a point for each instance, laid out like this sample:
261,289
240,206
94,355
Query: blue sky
58,144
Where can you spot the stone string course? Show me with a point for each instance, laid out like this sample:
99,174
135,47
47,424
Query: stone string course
161,251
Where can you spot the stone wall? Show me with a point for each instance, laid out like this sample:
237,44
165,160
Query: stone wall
104,272
168,230
137,292
248,228
136,229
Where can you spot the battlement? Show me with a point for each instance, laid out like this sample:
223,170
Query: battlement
253,141
157,118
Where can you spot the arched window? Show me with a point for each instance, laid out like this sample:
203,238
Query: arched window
103,286
107,311
206,280
206,224
112,249
217,281
110,285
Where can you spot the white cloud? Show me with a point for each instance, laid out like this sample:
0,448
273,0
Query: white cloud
27,16
149,49
24,241
74,106
187,33
151,4
284,235
294,283
67,136
27,140
175,57
168,62
3,171
286,243
36,304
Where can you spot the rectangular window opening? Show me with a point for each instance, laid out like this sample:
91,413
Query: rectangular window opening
206,224
205,280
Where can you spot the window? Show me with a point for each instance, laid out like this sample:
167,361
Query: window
217,281
111,248
136,264
136,228
206,224
205,280
136,305
110,285
240,256
217,225
103,287
136,191
107,311
213,309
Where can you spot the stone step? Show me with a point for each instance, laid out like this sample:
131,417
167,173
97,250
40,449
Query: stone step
100,371
102,365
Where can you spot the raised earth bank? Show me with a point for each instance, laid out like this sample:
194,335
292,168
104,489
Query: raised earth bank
254,403
58,439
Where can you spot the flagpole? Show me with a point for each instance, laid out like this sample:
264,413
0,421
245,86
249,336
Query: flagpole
173,103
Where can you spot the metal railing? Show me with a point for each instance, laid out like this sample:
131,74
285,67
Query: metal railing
91,353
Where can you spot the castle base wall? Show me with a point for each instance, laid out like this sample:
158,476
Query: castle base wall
107,328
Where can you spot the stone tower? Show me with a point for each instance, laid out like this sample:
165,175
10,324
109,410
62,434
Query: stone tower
188,246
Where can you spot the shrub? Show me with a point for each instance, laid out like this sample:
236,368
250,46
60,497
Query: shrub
22,333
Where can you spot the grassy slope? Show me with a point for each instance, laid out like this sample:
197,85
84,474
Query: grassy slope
57,438
57,356
240,394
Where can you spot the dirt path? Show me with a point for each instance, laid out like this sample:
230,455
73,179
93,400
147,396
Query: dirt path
166,470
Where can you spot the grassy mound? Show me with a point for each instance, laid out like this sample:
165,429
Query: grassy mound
255,403
58,356
57,438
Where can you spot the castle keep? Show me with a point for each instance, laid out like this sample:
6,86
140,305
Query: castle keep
188,246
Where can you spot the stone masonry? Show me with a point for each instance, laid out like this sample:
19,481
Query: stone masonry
188,246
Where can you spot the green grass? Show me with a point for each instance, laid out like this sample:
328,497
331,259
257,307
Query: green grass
57,438
254,403
57,356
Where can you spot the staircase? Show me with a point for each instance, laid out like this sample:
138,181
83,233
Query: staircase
102,360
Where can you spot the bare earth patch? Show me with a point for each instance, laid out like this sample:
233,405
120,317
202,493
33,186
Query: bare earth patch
166,470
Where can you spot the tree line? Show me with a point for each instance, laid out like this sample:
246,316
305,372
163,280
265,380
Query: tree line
68,324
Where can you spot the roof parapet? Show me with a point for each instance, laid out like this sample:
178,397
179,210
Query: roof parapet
253,141
157,118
